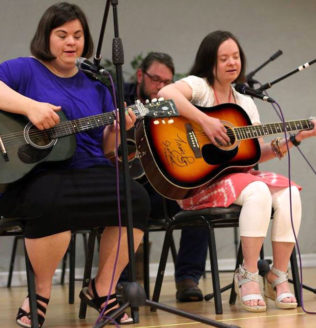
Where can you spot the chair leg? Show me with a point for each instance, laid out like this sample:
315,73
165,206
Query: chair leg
63,269
31,291
87,270
215,275
162,266
85,243
296,278
146,263
12,260
173,250
239,260
72,265
236,240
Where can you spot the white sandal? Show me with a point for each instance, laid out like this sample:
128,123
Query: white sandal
270,290
241,277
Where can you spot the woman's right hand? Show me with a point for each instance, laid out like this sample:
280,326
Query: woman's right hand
43,115
215,130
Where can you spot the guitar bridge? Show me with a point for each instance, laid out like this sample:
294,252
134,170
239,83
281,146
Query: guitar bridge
192,140
3,151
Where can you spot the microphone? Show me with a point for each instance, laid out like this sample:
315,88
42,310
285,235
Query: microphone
88,67
243,89
276,55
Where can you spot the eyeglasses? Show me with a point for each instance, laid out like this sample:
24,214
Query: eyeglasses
157,79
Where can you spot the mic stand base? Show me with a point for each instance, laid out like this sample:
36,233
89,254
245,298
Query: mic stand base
133,294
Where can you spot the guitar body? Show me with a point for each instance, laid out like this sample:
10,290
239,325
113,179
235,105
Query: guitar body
22,156
178,158
23,146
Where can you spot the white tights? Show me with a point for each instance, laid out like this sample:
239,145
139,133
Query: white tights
257,200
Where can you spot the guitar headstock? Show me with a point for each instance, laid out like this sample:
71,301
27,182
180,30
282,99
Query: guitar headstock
157,108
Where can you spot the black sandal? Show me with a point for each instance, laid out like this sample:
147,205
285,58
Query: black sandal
95,301
22,313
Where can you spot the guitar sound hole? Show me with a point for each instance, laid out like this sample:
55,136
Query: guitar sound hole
39,138
230,135
214,155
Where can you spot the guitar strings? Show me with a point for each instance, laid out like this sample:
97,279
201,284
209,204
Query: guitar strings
62,129
69,127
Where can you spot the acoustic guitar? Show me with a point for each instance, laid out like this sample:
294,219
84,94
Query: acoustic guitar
178,157
135,167
23,146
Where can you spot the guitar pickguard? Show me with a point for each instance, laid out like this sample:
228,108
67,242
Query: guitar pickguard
29,155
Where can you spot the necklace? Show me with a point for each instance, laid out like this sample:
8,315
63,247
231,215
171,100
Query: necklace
229,97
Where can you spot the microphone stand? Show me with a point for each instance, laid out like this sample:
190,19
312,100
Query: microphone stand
249,77
270,84
134,295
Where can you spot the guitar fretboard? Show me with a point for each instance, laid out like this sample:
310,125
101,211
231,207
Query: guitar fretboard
255,131
66,128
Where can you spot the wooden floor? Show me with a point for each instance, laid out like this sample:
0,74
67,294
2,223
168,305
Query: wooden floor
60,314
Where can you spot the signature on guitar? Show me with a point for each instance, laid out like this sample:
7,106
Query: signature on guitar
177,156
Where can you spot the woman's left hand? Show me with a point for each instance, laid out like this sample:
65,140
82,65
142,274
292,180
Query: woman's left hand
130,119
307,133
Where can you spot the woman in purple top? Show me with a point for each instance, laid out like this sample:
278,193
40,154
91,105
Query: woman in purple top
78,193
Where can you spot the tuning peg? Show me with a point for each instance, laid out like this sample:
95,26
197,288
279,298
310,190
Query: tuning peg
154,100
147,101
161,99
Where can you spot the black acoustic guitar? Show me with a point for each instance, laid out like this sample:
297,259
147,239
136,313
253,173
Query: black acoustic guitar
23,146
178,157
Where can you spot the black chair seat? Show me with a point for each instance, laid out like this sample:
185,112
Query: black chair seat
221,213
10,226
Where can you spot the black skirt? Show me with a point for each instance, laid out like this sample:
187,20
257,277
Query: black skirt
53,201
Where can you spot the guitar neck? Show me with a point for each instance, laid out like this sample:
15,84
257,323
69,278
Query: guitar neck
67,128
255,131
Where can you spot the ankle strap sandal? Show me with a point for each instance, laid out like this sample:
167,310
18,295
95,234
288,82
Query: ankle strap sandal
241,277
270,290
41,317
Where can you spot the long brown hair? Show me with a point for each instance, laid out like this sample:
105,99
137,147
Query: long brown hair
206,57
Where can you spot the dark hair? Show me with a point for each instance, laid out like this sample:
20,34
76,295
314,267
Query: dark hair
157,57
57,15
206,57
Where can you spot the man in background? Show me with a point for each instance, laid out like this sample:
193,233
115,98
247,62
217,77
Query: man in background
156,71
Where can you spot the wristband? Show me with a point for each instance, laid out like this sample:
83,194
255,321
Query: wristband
294,141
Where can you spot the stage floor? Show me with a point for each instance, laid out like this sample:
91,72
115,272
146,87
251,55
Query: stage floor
60,314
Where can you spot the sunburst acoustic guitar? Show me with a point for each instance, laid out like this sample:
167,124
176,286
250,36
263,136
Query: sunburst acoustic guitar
177,156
